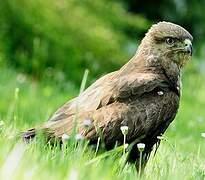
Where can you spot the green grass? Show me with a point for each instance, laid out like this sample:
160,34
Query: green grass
26,103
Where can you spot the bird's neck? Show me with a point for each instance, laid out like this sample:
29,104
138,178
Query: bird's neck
150,61
173,72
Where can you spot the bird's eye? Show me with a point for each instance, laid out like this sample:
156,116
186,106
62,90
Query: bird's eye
169,41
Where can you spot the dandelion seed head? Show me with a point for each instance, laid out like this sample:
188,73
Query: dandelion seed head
141,146
87,123
79,137
21,78
203,135
124,129
65,137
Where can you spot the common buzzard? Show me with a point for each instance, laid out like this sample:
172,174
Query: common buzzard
144,95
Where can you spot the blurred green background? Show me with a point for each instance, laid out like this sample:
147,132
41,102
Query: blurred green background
59,39
45,47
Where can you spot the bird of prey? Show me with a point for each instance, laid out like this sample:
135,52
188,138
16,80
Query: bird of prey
144,95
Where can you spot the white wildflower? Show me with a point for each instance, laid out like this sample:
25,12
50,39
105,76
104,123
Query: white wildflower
87,123
65,137
141,146
21,78
203,135
124,129
79,137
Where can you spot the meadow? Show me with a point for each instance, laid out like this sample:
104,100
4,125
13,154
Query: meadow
27,102
45,47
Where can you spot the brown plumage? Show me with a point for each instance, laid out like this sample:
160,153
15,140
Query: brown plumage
143,95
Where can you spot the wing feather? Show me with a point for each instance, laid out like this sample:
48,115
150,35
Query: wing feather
108,89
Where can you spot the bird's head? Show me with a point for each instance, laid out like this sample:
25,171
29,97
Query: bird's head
169,41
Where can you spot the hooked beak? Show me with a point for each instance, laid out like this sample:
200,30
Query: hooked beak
188,46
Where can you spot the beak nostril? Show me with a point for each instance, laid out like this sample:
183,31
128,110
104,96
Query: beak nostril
187,44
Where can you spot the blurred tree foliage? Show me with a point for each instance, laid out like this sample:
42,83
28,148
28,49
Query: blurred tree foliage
61,38
188,13
64,37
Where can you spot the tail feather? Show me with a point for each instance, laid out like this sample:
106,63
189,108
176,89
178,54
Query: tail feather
29,135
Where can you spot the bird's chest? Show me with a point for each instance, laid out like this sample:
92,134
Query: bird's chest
153,110
160,106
